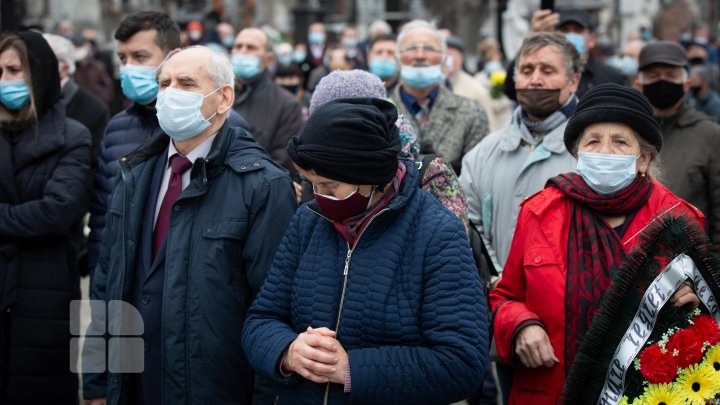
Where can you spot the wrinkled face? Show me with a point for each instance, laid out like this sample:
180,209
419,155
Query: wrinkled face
613,138
382,50
545,68
140,49
187,71
10,66
421,47
334,188
252,41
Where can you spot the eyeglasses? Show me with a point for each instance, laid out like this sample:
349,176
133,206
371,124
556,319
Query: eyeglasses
417,48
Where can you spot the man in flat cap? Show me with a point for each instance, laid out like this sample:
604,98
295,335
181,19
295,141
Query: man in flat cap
688,160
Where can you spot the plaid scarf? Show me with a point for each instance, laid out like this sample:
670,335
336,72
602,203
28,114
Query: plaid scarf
595,250
352,227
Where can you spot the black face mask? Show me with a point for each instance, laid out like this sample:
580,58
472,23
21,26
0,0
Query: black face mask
695,90
292,88
663,94
696,61
539,102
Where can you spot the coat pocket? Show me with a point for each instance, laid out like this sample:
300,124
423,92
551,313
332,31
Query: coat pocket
223,247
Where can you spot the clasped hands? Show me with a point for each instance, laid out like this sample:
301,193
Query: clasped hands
533,347
316,355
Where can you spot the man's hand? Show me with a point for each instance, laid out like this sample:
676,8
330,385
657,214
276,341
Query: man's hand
544,20
533,347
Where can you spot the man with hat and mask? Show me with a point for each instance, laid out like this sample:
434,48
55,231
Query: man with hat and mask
689,160
373,296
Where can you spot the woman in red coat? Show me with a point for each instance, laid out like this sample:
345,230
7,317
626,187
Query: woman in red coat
573,235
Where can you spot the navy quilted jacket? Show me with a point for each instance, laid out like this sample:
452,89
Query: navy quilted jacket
413,317
124,133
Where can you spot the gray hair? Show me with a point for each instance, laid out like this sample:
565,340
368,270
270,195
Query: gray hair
380,25
646,148
64,50
538,40
218,66
703,72
416,24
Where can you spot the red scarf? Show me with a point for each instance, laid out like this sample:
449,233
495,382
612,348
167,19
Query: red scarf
595,249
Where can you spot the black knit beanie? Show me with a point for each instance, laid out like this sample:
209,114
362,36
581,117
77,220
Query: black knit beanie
614,103
351,140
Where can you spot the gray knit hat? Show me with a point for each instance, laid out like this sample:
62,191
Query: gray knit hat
345,84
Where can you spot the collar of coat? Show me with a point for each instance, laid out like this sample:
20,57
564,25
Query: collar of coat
232,147
553,141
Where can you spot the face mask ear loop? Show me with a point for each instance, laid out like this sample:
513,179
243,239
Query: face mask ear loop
212,116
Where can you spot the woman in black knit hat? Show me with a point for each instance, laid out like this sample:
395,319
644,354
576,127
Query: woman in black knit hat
44,164
373,296
572,236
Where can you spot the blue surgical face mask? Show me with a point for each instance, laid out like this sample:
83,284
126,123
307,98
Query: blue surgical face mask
14,94
139,83
299,56
246,66
316,38
228,41
607,173
421,77
383,68
493,66
179,113
577,40
284,59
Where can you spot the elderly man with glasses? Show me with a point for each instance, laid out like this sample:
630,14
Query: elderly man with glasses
446,124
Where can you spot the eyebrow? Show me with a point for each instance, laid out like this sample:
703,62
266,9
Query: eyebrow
187,80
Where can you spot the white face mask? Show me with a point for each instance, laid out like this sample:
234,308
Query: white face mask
179,113
607,173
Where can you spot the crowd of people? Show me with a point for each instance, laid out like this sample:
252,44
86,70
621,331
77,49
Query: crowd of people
350,221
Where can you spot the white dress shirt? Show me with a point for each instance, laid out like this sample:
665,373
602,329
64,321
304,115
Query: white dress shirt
200,151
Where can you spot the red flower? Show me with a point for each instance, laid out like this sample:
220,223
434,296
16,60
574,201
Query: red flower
657,367
707,329
686,347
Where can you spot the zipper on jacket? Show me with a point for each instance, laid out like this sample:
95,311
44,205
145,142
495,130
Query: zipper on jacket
346,270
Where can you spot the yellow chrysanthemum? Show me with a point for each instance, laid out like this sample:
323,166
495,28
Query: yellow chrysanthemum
497,78
712,359
656,394
623,400
697,384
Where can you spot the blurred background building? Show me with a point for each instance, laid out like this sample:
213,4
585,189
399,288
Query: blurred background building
472,20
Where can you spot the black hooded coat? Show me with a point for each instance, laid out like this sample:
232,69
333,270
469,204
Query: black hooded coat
43,171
